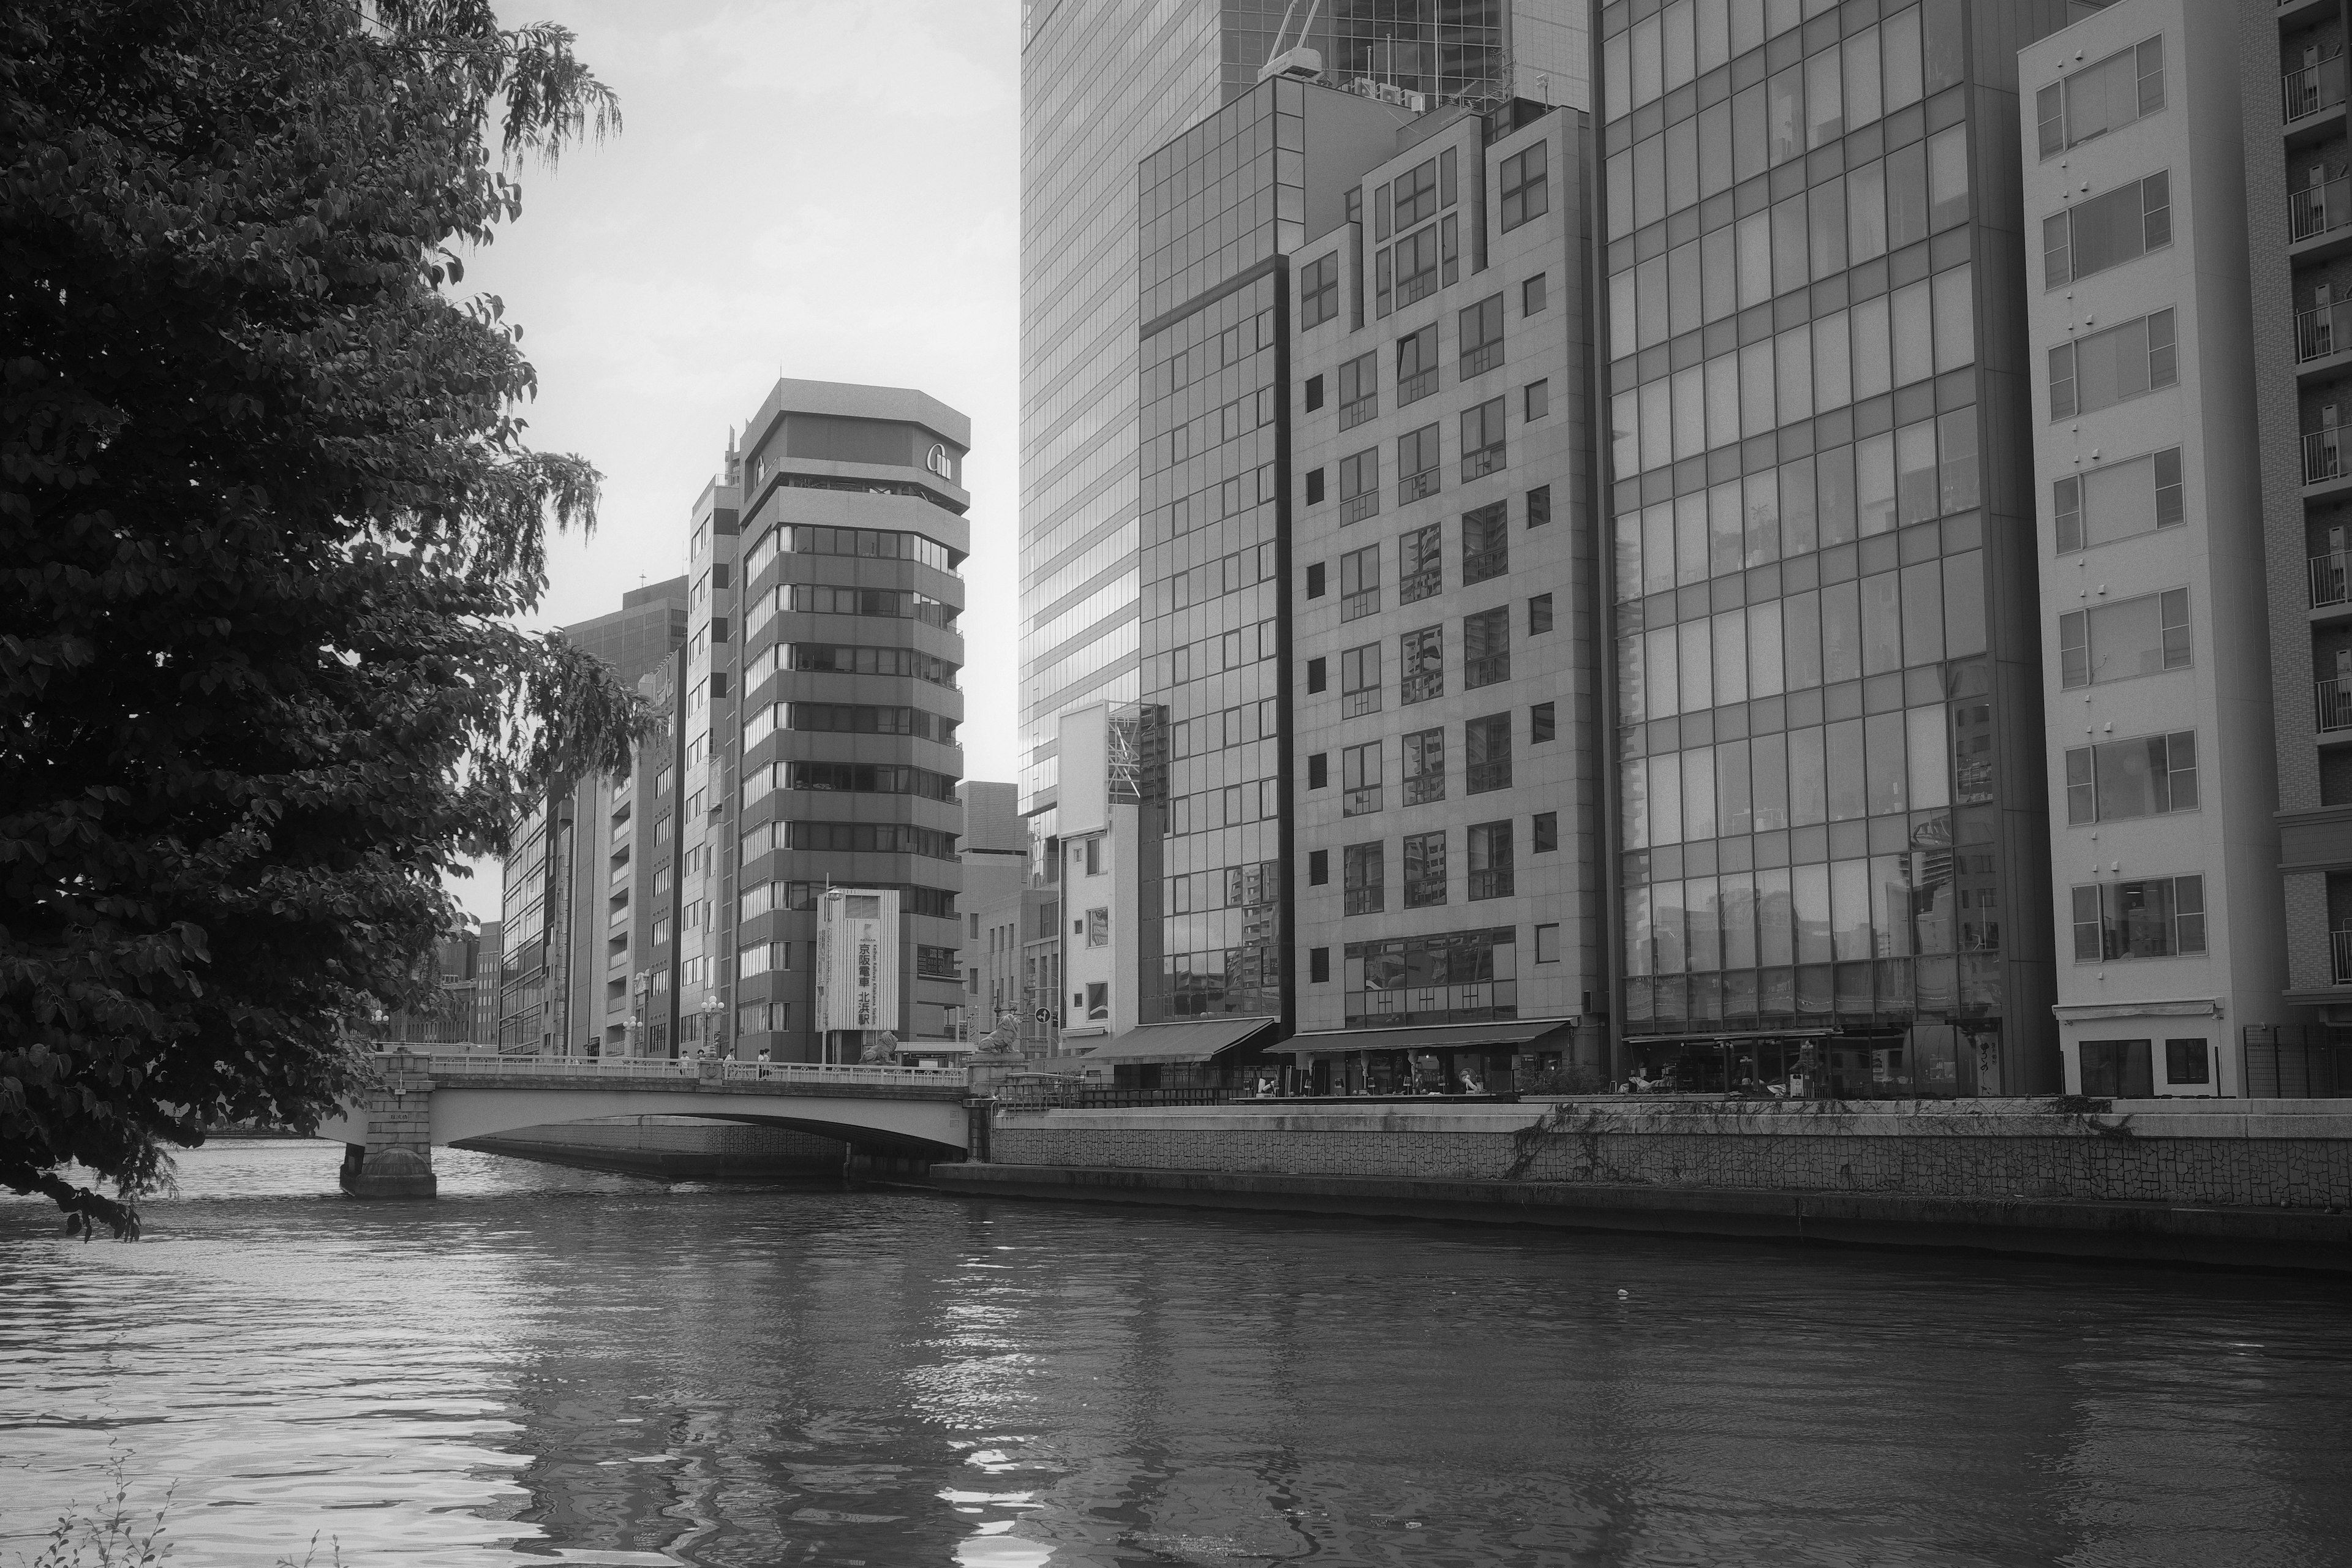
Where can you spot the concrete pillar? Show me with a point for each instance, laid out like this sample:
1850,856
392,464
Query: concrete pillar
396,1161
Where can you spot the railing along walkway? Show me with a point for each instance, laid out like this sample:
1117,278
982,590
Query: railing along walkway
481,1064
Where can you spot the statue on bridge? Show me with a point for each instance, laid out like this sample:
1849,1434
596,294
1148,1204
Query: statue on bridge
881,1050
1001,1042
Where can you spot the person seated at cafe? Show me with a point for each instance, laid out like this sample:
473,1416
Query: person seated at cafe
1470,1084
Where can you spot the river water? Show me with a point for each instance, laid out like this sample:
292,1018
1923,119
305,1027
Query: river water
559,1366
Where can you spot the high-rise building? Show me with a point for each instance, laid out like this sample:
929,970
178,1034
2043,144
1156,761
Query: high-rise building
849,508
586,895
1103,86
1831,791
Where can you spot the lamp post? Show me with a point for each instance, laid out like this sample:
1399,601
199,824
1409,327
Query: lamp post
711,1020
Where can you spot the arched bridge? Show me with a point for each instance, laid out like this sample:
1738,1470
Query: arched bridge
422,1101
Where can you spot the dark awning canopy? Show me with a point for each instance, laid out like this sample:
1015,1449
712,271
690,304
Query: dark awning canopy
1201,1040
1517,1034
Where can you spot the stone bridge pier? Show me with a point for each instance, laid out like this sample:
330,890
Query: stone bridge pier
397,1160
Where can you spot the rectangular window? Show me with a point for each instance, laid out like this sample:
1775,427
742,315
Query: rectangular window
2146,636
1421,569
1424,870
1538,615
1359,486
1424,766
1538,399
1490,861
1486,648
1416,355
1098,928
2158,917
2113,366
1359,583
2188,1061
2119,500
2148,776
1416,196
1318,770
1547,943
1315,673
1421,666
2117,1069
1533,296
1359,779
1319,966
1526,191
1097,1000
2100,97
1319,290
1318,867
1359,390
1363,870
1416,266
1485,542
1480,328
1359,681
1542,723
1482,439
1314,486
1315,574
2107,230
1539,506
1486,753
1546,836
1417,463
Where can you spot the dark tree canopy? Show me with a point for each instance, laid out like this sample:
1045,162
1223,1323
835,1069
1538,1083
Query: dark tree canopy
268,515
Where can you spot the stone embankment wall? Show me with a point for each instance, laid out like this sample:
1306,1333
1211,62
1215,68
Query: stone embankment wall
681,1147
2258,1153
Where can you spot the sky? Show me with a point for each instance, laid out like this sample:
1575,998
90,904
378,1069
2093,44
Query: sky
823,189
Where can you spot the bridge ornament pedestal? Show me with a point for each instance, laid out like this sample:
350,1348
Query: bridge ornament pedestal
396,1161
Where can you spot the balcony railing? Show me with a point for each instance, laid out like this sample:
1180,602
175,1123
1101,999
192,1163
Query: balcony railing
2334,704
2323,454
2339,944
2314,88
2323,331
2315,209
2331,579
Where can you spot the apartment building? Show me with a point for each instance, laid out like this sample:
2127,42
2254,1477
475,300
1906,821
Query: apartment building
701,795
845,765
1444,719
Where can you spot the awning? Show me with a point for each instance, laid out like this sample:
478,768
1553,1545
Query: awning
1199,1041
1730,1037
1518,1034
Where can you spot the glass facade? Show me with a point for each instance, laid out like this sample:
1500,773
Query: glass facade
1220,206
1827,849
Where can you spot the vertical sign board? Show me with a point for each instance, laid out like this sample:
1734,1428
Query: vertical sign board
858,959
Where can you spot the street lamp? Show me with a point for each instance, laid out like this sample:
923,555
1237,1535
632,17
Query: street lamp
711,1020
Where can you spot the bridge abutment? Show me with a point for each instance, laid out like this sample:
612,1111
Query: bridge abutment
396,1161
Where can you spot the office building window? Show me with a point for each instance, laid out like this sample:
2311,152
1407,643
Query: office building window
2113,366
1526,191
1538,615
1359,779
1537,401
1481,440
1314,486
1415,195
2117,1069
1315,675
1416,354
1318,867
1546,833
2115,642
1486,648
1359,681
1097,1001
1424,766
1486,753
1416,266
1539,506
1314,393
1424,870
1097,927
1359,486
2119,500
1421,570
1479,328
1363,869
1314,579
1547,943
1319,290
2112,92
1421,665
1318,770
2188,1061
1490,861
1485,542
1539,724
1359,583
2150,918
1359,390
1319,966
1417,462
2107,230
1533,296
2149,776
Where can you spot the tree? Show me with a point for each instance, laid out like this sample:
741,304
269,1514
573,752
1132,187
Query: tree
267,517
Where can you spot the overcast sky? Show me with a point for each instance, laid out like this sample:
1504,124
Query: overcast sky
826,189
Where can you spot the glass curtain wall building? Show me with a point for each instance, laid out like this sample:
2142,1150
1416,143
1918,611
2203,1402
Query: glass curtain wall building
1831,815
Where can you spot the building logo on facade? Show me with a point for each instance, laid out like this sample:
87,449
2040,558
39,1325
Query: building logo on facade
937,461
858,959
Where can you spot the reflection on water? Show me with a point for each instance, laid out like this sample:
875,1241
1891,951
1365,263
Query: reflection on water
575,1368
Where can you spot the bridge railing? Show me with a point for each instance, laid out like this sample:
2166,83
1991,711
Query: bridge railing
726,1070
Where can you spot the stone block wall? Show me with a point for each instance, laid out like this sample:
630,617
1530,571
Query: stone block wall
2294,1153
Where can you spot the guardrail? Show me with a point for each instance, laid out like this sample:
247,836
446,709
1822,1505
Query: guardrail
2304,93
2334,703
2323,454
2323,330
2331,578
481,1064
2314,210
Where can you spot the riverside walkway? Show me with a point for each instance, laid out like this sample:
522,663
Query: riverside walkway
421,1101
